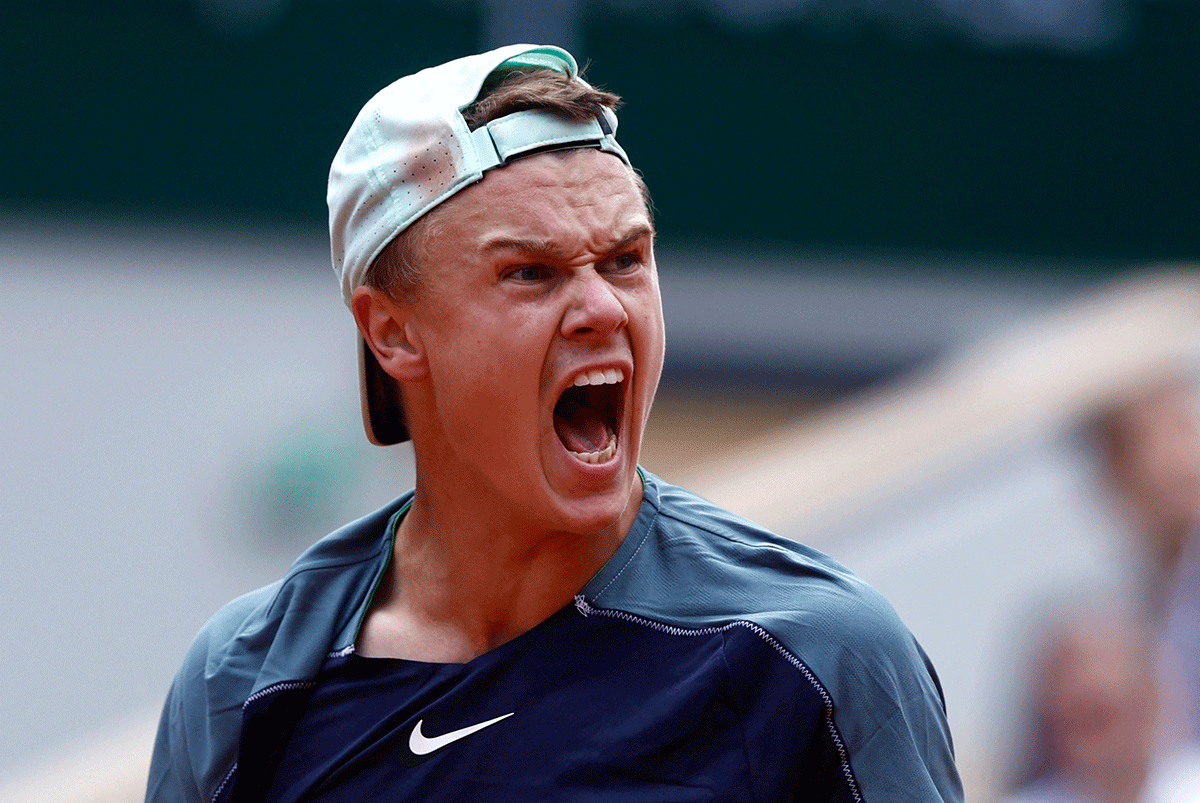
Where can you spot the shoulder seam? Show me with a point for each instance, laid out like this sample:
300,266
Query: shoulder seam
258,695
629,561
224,782
283,685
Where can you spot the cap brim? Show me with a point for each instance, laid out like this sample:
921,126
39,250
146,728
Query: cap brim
382,408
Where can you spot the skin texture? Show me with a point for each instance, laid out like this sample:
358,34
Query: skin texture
541,271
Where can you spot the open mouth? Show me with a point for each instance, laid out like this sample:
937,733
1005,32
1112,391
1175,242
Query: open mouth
588,414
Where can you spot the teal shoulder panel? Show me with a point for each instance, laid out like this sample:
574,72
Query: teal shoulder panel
278,634
688,563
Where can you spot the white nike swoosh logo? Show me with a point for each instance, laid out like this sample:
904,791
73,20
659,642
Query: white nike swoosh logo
423,745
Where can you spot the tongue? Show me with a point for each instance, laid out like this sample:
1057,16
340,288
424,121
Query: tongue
582,433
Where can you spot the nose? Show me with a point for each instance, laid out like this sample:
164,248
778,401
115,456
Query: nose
595,311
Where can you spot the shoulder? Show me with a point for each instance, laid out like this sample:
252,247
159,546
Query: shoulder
689,563
322,587
721,566
275,634
717,567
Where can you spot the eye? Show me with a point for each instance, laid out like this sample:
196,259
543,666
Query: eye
625,262
529,273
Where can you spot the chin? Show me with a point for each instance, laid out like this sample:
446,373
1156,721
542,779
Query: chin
598,511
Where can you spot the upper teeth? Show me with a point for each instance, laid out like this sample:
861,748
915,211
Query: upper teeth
607,376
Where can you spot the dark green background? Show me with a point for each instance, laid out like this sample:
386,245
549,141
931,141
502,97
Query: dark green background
781,134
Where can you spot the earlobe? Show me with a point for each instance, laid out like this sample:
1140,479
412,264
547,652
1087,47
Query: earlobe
389,332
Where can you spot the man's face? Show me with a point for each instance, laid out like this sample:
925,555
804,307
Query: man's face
1101,699
1157,464
539,312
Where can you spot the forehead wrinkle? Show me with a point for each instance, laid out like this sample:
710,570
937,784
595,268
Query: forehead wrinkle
549,247
525,245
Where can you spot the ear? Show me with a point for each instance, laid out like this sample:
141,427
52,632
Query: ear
387,327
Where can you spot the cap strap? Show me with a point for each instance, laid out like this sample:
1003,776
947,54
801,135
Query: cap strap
537,130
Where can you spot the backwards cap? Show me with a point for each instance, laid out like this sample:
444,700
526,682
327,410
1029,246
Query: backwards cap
409,150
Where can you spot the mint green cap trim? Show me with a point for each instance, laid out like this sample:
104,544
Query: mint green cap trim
522,132
545,57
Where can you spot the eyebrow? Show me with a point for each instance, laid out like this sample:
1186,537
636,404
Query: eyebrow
635,234
550,248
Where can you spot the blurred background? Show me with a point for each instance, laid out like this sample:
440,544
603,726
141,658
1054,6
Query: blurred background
917,257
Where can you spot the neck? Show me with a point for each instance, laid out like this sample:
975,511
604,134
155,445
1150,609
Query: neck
465,578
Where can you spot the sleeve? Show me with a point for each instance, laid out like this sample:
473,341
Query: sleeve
889,709
198,732
850,724
172,764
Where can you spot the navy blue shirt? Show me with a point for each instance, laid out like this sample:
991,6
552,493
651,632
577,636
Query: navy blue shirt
707,659
586,706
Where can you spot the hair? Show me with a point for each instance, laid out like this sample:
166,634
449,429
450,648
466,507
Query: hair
397,268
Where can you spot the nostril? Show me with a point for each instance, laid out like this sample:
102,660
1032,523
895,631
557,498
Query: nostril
595,310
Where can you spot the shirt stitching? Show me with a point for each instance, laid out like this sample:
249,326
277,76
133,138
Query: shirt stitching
586,609
629,562
286,685
224,782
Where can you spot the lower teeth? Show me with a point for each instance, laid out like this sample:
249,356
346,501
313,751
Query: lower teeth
600,456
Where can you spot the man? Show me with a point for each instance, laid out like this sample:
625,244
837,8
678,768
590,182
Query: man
539,619
1150,440
1101,730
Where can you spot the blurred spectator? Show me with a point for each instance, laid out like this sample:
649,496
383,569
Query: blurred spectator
1151,443
1099,710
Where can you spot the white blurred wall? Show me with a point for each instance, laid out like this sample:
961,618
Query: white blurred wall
159,402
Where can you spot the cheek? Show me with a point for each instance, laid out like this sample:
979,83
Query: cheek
492,373
650,340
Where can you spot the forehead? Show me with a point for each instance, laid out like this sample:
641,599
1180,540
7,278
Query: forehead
1166,412
583,199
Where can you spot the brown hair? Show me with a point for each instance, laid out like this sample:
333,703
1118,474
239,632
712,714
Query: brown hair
396,270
